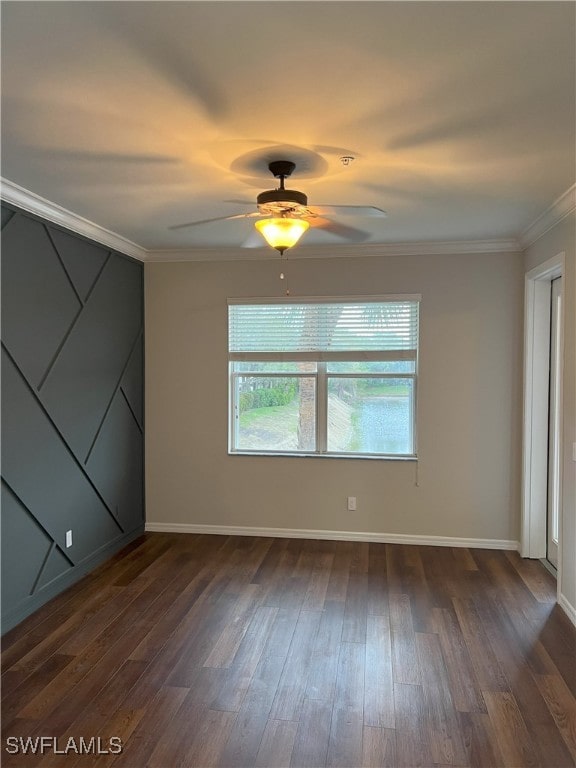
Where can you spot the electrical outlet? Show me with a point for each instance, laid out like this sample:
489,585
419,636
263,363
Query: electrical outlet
68,538
351,503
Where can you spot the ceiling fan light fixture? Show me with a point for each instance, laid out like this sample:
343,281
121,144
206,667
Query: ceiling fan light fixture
282,233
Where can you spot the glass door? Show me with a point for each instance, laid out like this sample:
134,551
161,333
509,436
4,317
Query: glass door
554,423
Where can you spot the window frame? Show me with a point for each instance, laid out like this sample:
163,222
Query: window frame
322,378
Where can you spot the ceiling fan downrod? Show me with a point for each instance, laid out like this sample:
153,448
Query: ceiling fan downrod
281,169
282,198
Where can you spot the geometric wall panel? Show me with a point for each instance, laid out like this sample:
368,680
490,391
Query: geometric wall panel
56,564
39,305
6,216
25,547
114,465
133,384
61,495
82,381
72,408
82,261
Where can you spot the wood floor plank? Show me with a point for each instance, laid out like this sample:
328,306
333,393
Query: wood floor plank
405,665
394,569
441,717
378,748
277,745
283,590
539,581
267,568
319,653
239,674
121,725
379,681
562,707
558,638
345,744
316,593
147,557
463,559
514,741
200,741
226,647
71,602
160,711
99,660
251,551
325,652
504,582
340,572
243,742
448,577
418,589
313,733
464,687
377,600
486,668
356,608
20,661
32,688
480,740
292,686
168,615
67,721
412,745
93,719
525,663
179,735
208,741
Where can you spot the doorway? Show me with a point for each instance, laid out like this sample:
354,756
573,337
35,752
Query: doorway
554,423
541,532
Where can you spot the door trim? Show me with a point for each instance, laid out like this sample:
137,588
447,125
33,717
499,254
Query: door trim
535,418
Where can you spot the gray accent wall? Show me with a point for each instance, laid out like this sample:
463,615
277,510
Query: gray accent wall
72,409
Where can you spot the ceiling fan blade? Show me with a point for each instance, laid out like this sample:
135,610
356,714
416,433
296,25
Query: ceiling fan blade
340,230
82,156
348,210
254,240
217,218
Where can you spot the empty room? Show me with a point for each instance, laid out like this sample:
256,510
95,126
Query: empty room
288,384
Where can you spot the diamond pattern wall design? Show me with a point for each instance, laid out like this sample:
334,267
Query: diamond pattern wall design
72,408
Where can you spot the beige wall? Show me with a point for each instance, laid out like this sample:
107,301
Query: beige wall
562,239
469,410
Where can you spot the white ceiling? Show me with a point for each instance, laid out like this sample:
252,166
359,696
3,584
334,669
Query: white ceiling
143,115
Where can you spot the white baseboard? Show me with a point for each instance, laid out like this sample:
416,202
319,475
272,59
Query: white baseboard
304,533
568,608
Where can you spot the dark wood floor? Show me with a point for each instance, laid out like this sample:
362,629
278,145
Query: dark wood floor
202,651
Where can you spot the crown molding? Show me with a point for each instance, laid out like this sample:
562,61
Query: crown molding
33,203
561,207
29,201
438,248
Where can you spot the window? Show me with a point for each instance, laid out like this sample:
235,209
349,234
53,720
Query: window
333,377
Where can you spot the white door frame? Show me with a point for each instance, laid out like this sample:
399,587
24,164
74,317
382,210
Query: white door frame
536,385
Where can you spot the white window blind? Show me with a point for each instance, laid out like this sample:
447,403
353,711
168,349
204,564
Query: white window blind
336,329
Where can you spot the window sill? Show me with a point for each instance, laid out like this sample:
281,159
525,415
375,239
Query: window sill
303,455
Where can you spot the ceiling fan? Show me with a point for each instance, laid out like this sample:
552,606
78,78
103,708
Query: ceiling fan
289,214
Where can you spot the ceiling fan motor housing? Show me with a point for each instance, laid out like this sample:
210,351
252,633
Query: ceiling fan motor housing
281,201
276,202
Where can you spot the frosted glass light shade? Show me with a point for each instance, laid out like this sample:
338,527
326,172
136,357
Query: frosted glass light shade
283,232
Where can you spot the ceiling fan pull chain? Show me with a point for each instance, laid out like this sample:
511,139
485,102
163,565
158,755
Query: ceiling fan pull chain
284,274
